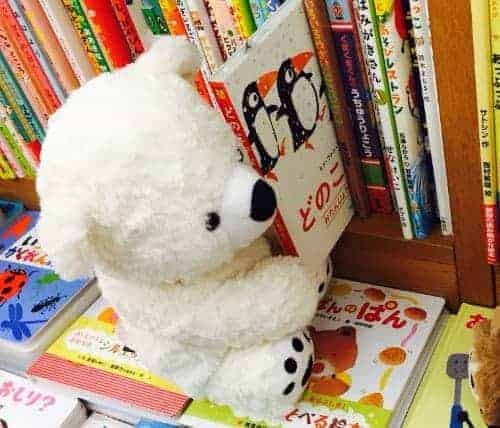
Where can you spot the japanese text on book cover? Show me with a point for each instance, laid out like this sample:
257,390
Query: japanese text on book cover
273,96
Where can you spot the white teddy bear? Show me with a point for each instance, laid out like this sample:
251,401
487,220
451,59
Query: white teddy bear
140,183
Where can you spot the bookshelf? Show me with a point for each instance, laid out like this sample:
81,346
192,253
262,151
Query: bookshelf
373,249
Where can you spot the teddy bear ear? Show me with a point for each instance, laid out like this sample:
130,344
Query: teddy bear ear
171,54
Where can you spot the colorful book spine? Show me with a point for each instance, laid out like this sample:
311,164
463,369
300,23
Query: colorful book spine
108,31
13,110
425,57
135,11
375,66
359,103
35,70
49,44
73,47
486,126
224,26
15,142
322,37
173,17
392,27
9,166
154,17
260,12
201,33
23,78
87,36
35,47
243,15
127,26
10,86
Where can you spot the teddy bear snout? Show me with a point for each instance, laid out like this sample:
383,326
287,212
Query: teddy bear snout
263,201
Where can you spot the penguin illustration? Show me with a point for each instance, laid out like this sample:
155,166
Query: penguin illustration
299,99
261,132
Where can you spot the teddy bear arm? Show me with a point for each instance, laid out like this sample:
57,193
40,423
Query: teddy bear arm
274,299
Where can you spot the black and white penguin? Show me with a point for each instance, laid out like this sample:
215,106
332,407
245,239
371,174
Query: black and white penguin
261,131
299,99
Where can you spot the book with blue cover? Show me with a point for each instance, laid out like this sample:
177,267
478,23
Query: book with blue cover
35,304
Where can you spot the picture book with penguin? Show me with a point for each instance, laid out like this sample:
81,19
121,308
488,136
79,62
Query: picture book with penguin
272,94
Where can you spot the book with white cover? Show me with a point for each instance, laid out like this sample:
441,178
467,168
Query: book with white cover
24,404
272,94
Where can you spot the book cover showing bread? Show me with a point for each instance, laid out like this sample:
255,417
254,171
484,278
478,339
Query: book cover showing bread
368,341
321,34
272,95
91,360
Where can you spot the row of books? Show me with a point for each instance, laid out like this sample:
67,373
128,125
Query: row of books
61,356
377,78
486,40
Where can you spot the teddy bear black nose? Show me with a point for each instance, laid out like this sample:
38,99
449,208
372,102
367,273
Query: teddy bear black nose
263,201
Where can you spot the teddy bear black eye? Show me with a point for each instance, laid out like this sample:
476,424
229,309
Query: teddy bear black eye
212,222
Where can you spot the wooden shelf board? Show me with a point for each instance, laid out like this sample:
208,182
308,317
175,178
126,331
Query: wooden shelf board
373,250
384,231
20,189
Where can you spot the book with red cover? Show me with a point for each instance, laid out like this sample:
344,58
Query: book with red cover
93,362
108,31
128,28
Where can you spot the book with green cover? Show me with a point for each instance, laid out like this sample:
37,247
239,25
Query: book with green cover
433,402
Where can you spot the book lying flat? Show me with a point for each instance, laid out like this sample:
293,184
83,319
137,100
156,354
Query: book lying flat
24,404
434,400
91,362
35,304
372,345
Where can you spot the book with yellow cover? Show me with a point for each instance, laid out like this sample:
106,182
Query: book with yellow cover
92,362
433,402
484,90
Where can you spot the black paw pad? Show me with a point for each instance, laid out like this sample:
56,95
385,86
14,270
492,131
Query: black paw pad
297,344
321,288
308,372
290,365
289,388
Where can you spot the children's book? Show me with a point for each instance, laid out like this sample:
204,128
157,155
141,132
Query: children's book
371,42
69,40
272,95
359,103
35,304
135,10
372,345
427,73
321,34
90,361
97,420
24,404
394,36
433,402
128,28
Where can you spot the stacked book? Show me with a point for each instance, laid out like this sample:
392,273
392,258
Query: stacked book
373,82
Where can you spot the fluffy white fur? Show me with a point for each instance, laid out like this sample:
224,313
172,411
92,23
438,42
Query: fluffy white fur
131,167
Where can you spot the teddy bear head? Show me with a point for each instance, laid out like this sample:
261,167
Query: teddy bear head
140,179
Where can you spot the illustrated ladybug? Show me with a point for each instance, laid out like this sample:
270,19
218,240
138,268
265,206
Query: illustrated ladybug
12,282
